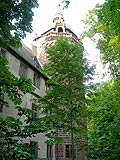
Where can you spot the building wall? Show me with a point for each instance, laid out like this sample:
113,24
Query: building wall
14,65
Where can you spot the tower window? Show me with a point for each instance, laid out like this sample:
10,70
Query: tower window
68,149
60,29
49,151
54,29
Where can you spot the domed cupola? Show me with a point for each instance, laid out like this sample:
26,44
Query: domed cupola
59,22
47,38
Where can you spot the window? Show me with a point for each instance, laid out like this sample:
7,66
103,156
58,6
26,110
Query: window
60,29
23,70
34,108
49,151
54,29
34,148
68,151
47,87
2,52
36,80
1,101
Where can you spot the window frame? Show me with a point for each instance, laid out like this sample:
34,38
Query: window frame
34,109
23,70
1,104
2,52
68,151
49,151
35,151
36,80
60,30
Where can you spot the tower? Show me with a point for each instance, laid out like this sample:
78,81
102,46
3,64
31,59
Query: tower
48,37
61,151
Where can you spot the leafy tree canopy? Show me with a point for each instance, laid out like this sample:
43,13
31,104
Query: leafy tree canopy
15,21
103,122
109,14
64,104
13,129
104,21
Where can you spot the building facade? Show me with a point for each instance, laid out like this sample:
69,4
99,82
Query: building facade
22,63
27,63
49,37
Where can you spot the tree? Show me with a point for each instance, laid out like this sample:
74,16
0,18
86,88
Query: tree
15,21
103,122
100,21
64,103
109,14
13,130
66,2
102,25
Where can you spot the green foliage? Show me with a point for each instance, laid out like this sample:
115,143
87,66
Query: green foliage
13,130
15,21
11,144
103,122
104,21
14,87
64,104
109,13
102,25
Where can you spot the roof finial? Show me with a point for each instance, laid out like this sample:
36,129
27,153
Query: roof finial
59,9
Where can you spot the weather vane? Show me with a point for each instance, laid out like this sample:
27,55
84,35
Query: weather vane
59,8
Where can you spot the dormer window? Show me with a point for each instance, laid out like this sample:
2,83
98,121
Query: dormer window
60,29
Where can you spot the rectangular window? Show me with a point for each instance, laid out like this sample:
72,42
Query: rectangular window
49,151
2,52
34,108
47,87
34,148
68,151
23,70
1,101
36,80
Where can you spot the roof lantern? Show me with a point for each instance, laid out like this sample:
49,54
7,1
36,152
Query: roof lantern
59,19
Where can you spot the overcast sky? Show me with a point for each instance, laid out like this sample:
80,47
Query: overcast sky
43,18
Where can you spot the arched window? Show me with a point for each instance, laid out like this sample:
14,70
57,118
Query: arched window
60,29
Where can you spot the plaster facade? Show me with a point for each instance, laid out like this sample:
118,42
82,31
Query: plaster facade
14,60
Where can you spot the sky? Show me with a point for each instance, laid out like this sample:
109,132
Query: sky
73,16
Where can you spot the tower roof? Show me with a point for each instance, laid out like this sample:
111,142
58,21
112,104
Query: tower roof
59,28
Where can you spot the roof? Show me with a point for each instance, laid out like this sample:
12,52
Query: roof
71,30
66,27
26,55
36,38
